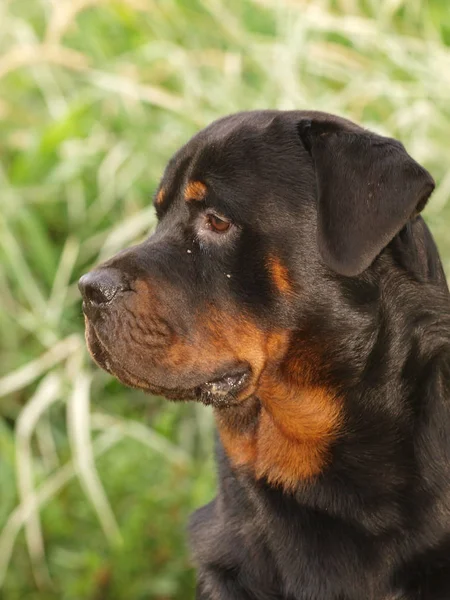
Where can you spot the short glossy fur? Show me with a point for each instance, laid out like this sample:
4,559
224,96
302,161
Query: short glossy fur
292,284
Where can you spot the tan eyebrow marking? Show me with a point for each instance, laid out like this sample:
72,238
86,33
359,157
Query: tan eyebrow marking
160,196
195,190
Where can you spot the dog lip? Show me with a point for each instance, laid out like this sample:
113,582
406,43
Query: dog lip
223,390
220,391
91,310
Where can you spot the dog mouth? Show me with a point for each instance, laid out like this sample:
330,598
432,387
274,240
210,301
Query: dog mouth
224,389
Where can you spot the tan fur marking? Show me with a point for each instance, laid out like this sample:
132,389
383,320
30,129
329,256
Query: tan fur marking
160,196
237,428
280,275
240,448
291,440
295,432
285,461
300,413
195,190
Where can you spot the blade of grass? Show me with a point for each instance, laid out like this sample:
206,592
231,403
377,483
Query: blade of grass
79,430
46,394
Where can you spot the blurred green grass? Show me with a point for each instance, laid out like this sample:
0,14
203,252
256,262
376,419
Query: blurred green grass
97,480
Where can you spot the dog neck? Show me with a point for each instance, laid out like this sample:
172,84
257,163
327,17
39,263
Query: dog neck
282,434
335,388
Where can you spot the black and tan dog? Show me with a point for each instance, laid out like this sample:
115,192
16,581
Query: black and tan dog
291,284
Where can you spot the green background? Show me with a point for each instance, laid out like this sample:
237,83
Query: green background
97,481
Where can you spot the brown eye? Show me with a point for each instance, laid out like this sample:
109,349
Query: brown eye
217,224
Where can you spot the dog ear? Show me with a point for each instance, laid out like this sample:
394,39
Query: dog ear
368,187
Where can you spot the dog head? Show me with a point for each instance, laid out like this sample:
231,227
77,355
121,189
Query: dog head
259,214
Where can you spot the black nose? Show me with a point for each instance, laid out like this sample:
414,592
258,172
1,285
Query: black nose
100,287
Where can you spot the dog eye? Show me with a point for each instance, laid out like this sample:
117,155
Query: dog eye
217,224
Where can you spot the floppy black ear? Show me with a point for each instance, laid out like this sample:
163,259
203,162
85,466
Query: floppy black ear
368,187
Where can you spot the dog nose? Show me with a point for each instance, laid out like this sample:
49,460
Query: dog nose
100,287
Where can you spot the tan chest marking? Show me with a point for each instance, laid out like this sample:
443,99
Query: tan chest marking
289,439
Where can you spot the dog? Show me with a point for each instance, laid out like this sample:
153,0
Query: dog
292,285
